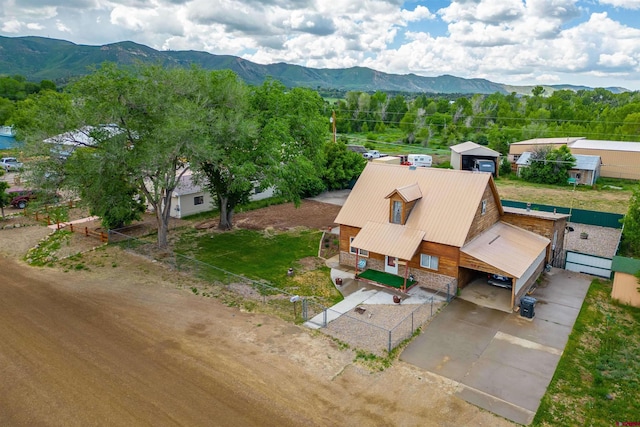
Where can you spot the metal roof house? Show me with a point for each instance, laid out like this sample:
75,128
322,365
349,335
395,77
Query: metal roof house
620,159
585,172
442,228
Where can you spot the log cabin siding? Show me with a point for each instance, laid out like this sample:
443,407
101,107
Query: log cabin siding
481,221
545,227
447,258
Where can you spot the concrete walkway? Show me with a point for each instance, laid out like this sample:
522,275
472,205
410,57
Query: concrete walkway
501,361
356,292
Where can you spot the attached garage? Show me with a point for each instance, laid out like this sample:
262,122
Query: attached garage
508,251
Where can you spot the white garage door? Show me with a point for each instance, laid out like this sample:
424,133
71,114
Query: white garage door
589,264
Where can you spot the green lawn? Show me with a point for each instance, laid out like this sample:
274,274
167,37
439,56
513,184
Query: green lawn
263,256
597,382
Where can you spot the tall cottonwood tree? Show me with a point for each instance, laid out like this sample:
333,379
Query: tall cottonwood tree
231,160
150,108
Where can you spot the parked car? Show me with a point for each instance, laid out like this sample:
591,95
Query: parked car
10,164
20,198
373,154
500,281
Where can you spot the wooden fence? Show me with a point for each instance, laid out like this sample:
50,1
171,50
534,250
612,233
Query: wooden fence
104,237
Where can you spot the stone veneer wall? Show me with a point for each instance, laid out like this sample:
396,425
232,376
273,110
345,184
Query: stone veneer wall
425,278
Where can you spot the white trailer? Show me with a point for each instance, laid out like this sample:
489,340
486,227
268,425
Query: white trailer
420,160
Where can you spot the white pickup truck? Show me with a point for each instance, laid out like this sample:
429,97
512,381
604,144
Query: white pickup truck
10,164
373,154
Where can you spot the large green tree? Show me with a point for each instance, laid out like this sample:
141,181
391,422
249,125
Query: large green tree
139,129
294,121
549,166
342,165
231,160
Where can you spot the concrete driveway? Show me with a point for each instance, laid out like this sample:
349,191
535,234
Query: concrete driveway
502,361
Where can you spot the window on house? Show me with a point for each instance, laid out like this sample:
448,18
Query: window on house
353,250
198,200
484,207
429,261
397,212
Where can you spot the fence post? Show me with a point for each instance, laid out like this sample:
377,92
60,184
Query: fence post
431,307
305,314
324,318
389,345
412,323
448,292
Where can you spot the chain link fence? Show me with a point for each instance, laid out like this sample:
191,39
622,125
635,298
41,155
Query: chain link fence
379,328
376,328
215,281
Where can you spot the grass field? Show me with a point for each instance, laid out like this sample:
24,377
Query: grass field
597,382
608,197
264,256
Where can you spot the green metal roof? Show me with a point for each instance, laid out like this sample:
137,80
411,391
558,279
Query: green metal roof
625,265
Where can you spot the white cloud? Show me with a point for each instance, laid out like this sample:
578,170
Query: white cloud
519,41
12,26
624,4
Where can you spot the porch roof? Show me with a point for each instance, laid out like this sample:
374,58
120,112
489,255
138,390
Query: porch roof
389,239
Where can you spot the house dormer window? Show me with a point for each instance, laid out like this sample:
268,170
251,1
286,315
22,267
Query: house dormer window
401,202
396,214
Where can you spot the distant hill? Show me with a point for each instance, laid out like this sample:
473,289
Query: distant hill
39,58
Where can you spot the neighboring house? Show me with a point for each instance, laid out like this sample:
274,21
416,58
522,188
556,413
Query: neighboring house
619,159
626,288
463,156
65,143
585,172
190,198
443,227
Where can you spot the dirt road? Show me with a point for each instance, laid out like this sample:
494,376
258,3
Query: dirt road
122,345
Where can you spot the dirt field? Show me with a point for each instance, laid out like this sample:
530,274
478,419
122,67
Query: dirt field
310,214
122,344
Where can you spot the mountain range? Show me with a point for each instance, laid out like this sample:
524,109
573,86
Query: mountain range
40,58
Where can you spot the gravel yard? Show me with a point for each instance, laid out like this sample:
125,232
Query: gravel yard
372,327
601,241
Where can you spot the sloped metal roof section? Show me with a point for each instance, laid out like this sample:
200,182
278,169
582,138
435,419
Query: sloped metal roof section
409,193
389,239
549,141
524,159
587,162
473,149
506,247
607,145
450,199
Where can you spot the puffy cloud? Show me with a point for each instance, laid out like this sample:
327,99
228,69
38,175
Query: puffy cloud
624,4
511,41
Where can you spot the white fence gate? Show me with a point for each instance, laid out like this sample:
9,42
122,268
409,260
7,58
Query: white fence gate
589,264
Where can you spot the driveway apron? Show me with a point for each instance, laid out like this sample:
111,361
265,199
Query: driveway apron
502,361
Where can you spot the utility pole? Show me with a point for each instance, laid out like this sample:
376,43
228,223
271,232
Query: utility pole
333,124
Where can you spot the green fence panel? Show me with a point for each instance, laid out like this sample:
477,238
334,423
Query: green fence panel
580,216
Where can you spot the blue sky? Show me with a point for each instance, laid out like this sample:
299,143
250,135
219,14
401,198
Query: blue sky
593,42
